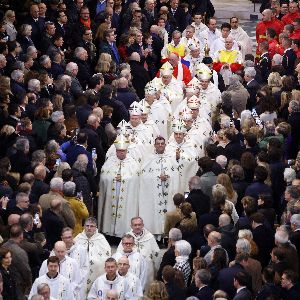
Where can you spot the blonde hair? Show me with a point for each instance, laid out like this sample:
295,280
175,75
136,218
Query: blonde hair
104,61
7,130
224,179
157,291
274,80
57,102
247,234
100,31
62,166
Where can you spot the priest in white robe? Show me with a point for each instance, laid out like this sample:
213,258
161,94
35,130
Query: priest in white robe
159,182
190,38
241,37
194,57
146,244
198,25
134,283
186,154
147,120
97,248
118,190
138,264
110,280
60,287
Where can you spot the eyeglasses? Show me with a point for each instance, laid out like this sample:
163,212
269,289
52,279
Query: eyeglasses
90,226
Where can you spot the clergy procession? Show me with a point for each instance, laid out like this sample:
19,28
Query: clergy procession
149,151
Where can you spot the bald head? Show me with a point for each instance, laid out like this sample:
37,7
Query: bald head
267,15
111,295
98,112
173,59
135,56
13,219
93,120
40,172
214,238
60,250
83,158
224,220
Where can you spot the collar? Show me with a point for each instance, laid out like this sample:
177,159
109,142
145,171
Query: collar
52,277
287,49
202,286
238,290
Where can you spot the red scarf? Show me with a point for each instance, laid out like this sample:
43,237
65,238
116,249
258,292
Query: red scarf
86,23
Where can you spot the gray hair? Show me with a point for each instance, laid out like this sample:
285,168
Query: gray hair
2,57
192,298
16,74
183,247
295,219
43,59
175,234
289,175
224,219
225,121
34,85
67,79
78,51
56,115
195,183
69,188
219,189
41,286
57,183
176,32
31,49
222,161
25,220
91,220
243,245
250,71
204,276
135,57
234,80
294,106
281,236
24,28
277,59
245,115
80,165
22,144
293,191
70,66
249,63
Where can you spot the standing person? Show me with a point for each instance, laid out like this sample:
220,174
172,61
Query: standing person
118,190
97,247
20,266
9,284
159,181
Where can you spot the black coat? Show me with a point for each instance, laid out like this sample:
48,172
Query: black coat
209,218
167,259
252,88
126,96
199,201
178,19
38,189
53,225
19,162
82,114
9,285
206,293
243,294
265,66
175,292
228,240
84,72
140,77
288,61
294,121
37,29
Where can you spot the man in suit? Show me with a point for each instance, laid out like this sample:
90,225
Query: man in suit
199,201
295,235
169,256
202,279
150,11
63,28
251,85
178,16
289,57
240,283
109,46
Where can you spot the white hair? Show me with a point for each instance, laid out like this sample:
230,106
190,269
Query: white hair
281,236
243,245
57,183
295,220
289,175
250,71
56,115
2,57
78,51
34,85
277,59
70,66
69,188
183,247
16,74
245,233
222,161
245,115
175,234
225,121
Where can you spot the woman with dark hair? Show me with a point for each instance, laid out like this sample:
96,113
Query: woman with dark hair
248,164
40,126
267,107
265,206
174,282
219,262
9,284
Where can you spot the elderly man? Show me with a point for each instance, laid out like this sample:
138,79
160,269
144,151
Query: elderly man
241,37
169,257
60,287
294,121
118,190
194,57
145,243
159,181
108,281
175,46
84,72
202,280
68,267
56,192
214,242
97,247
72,70
252,86
133,281
138,264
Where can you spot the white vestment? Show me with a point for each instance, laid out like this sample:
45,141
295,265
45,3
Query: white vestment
150,124
193,62
118,201
188,42
98,251
147,246
102,285
198,29
243,40
208,36
135,290
156,196
68,267
187,163
160,113
137,262
60,287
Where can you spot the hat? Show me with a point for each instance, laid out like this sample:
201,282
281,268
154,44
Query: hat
179,126
207,60
121,142
166,69
145,107
193,102
203,72
194,83
194,46
123,127
150,88
135,109
186,114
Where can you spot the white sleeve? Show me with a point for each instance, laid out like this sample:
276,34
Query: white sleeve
33,290
43,269
93,293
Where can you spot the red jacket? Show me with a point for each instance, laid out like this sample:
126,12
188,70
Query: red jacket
273,48
289,18
295,35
